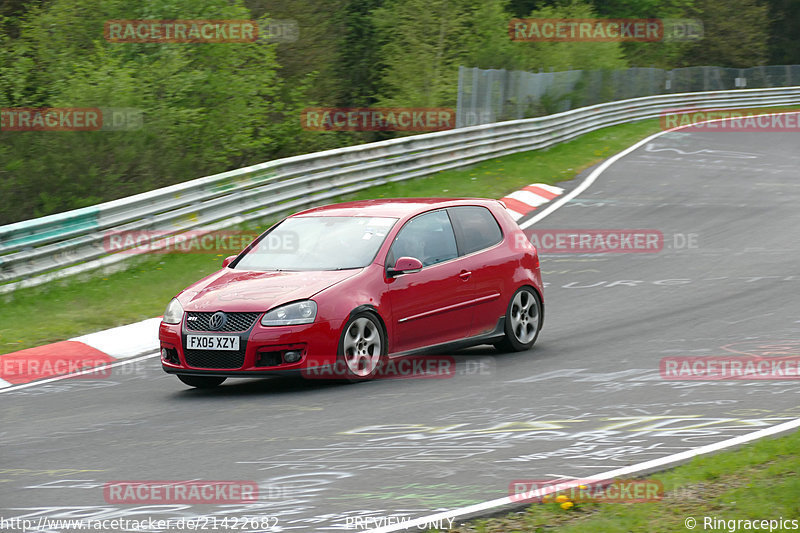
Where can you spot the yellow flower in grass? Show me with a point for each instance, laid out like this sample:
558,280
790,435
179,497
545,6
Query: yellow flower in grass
561,498
567,505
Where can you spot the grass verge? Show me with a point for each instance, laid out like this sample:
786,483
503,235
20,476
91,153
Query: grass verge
759,481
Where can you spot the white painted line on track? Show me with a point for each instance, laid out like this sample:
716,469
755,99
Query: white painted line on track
92,370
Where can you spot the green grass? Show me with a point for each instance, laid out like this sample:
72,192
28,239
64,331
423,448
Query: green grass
78,305
759,481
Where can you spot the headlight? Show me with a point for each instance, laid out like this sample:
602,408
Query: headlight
174,312
290,314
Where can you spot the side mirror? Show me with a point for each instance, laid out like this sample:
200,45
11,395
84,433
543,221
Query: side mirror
228,260
404,265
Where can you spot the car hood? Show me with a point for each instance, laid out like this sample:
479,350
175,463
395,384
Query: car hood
247,290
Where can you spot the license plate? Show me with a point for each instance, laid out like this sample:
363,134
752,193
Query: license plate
212,342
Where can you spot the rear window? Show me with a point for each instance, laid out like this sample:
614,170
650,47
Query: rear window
476,228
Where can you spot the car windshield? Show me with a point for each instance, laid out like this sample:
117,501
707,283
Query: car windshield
319,243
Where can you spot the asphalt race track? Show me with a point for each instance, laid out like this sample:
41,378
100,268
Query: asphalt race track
588,398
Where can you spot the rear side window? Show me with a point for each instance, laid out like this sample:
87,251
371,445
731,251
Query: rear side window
475,228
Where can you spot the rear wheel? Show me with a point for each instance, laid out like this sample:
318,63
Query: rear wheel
362,347
523,321
201,382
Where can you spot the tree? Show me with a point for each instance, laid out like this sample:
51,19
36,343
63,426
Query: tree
572,55
313,55
359,65
206,107
784,40
422,43
736,33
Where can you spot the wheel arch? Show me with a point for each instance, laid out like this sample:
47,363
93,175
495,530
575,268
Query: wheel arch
369,308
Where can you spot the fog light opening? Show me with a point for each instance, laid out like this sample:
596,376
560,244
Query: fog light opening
170,355
292,356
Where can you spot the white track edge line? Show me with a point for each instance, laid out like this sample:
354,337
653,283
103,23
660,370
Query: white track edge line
663,461
92,370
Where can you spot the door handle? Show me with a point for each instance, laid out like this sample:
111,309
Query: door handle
464,274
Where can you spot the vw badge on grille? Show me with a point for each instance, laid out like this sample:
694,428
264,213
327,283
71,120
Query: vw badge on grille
217,321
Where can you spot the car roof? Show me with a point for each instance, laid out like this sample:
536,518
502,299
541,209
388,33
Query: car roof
392,207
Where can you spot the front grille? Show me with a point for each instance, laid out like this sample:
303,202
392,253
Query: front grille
214,358
196,321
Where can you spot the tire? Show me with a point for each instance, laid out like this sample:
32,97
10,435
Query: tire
362,348
523,321
201,382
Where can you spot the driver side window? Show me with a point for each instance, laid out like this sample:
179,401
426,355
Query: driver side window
428,237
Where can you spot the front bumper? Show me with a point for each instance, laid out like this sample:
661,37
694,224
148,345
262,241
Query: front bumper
261,350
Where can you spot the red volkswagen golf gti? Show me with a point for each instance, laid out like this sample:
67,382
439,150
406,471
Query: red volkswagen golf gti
353,286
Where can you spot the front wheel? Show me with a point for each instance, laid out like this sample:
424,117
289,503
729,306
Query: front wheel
201,382
523,321
362,347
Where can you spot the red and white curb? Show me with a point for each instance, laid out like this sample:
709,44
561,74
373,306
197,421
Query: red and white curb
79,353
520,203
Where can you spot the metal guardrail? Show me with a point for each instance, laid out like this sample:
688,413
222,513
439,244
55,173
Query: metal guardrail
36,251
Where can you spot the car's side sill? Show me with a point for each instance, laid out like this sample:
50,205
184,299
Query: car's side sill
484,338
